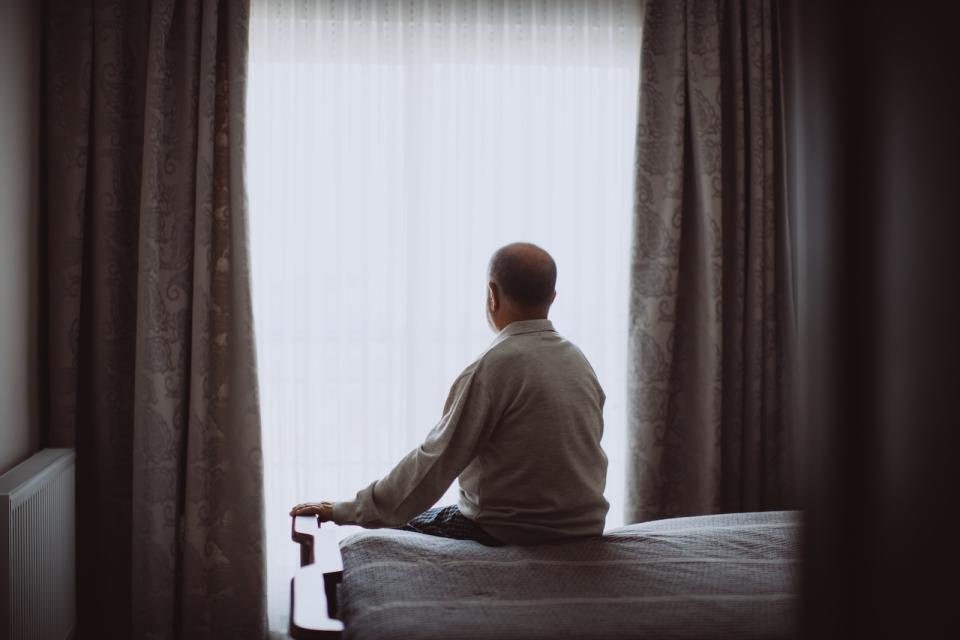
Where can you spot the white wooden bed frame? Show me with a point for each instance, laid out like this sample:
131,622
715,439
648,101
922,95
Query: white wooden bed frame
313,589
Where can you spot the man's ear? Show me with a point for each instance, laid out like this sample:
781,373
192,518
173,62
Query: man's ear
493,296
554,296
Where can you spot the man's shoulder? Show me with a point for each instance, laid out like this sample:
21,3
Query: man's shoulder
502,352
496,358
555,353
505,355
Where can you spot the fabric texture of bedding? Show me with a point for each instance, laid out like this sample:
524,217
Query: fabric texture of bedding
721,576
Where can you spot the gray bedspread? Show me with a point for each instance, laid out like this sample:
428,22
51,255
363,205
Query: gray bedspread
723,576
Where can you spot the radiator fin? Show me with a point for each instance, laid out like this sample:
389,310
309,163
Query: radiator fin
38,506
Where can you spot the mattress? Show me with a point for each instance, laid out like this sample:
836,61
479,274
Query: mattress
721,576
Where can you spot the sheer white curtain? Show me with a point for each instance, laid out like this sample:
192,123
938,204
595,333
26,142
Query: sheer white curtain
393,146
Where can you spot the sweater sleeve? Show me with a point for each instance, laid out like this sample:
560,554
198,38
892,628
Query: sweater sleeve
424,474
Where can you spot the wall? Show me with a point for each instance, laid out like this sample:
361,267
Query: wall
873,138
19,115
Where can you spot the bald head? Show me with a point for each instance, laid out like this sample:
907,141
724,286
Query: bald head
525,274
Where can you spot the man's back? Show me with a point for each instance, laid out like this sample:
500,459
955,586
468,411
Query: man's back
540,473
521,430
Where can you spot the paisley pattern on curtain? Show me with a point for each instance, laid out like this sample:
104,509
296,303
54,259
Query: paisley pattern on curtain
151,361
711,302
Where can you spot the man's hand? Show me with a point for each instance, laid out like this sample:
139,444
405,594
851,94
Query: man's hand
323,510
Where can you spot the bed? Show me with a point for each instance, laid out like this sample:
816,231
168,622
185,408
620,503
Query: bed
720,576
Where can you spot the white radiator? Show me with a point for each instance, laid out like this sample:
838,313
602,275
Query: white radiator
37,548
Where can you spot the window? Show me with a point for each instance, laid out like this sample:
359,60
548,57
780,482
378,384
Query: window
392,147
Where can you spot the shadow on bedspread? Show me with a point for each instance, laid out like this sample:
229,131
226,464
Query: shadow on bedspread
723,576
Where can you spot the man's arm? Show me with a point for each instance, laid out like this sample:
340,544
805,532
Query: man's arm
424,474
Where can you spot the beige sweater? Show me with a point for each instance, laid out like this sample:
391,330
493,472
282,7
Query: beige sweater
521,428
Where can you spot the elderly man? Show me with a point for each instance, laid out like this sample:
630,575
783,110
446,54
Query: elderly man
521,428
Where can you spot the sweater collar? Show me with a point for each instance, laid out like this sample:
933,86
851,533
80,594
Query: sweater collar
526,326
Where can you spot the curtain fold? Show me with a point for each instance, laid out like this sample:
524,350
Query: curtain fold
151,361
711,303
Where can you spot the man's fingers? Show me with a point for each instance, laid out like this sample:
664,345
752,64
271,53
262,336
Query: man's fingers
303,510
322,509
306,511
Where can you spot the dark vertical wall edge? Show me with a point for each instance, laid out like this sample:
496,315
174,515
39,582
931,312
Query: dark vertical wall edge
872,173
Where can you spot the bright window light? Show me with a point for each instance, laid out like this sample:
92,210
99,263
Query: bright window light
392,147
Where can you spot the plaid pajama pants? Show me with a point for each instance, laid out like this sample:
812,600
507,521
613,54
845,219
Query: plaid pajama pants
448,522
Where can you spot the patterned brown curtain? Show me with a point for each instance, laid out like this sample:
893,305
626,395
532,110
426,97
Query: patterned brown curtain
152,373
711,303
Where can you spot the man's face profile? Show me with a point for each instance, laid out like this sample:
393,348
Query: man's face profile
490,306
